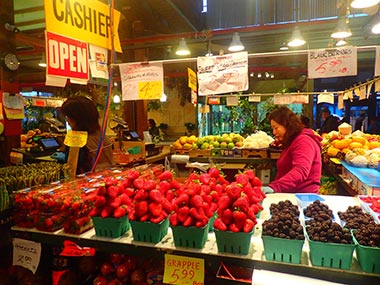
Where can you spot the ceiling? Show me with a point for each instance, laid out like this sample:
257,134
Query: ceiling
151,29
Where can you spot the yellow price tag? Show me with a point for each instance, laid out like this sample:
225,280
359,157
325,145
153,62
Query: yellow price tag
184,270
75,139
150,90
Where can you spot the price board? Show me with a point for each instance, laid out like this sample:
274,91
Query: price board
26,254
150,90
183,270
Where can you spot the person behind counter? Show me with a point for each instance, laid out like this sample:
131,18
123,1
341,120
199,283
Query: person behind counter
82,115
154,131
299,166
330,122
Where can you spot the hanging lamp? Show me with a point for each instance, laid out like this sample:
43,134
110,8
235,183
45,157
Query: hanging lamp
342,31
182,48
360,4
236,44
296,40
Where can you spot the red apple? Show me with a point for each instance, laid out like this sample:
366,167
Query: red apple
100,280
116,258
122,271
131,262
107,268
115,281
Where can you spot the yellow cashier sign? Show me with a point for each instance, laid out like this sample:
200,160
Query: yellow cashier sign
88,20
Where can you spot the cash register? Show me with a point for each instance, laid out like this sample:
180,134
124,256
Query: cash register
43,149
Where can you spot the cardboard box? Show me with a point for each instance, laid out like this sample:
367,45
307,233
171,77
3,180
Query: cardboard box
364,189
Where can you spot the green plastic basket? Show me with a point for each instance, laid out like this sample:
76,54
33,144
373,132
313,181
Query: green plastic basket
368,257
190,236
231,242
335,255
134,150
110,227
281,249
149,232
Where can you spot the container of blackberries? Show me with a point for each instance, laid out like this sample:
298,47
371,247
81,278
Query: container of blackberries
282,234
330,245
355,218
318,211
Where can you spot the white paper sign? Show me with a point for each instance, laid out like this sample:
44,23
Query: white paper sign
325,63
98,62
377,61
279,99
142,80
222,74
26,254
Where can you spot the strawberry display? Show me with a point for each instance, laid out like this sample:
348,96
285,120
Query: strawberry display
152,199
239,204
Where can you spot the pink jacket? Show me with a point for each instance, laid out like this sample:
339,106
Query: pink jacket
299,167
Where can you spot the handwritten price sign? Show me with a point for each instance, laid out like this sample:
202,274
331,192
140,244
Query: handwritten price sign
75,139
150,90
332,62
183,270
26,254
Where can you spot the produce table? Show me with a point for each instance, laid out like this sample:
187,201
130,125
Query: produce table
254,259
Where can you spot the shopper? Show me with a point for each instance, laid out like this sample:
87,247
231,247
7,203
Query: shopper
330,122
82,115
299,166
154,131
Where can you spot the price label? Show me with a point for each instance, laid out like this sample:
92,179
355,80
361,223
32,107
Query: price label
75,139
184,270
26,254
150,90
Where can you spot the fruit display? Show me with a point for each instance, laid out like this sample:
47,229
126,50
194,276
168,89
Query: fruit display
318,211
284,222
329,232
328,186
359,149
26,140
371,204
355,218
224,141
240,203
29,175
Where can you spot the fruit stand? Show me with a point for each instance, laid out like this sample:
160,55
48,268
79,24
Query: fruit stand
255,258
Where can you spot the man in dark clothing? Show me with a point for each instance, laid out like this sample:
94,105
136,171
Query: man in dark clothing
330,122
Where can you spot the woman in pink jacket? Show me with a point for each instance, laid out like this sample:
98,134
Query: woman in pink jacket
299,167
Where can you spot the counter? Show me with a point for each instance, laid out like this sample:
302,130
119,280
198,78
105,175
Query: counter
254,259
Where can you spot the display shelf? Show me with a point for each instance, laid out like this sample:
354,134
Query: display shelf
254,259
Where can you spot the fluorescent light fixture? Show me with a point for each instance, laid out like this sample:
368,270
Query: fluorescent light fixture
42,62
341,43
182,48
296,40
236,44
359,4
284,46
342,30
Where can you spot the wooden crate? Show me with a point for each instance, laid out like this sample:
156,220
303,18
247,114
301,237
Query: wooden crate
178,151
274,153
200,152
254,153
234,152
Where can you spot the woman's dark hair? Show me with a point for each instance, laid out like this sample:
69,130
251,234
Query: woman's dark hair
292,123
83,111
152,123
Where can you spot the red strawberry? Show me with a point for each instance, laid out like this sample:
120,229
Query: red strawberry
250,173
205,178
197,214
248,226
155,209
141,208
139,183
193,188
233,190
106,212
155,195
173,219
166,205
196,201
219,225
149,184
239,218
183,213
188,222
125,199
114,203
164,186
226,216
141,195
110,181
128,191
119,212
224,203
133,174
214,172
100,201
166,175
242,203
175,184
242,179
113,191
182,199
233,228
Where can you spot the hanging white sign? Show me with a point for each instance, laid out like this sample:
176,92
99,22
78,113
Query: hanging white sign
325,63
222,74
142,80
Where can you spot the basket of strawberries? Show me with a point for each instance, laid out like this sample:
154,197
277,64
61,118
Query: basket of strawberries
236,213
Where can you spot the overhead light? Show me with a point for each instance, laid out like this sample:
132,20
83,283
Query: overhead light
340,43
163,97
116,99
376,25
259,75
296,40
342,30
236,44
182,48
284,46
42,62
359,4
